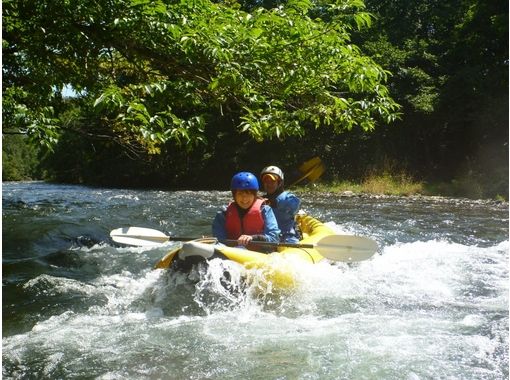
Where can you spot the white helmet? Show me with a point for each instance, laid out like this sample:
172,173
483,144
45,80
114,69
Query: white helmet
272,170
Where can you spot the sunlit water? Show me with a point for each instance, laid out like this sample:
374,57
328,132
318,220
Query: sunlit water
431,304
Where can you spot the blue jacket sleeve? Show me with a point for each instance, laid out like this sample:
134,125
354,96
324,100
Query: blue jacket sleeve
289,204
218,227
271,230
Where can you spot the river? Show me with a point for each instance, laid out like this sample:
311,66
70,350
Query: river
431,304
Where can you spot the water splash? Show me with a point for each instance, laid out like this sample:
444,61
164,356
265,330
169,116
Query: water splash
432,303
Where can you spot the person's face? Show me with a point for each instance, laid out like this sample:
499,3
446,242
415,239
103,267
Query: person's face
270,185
244,198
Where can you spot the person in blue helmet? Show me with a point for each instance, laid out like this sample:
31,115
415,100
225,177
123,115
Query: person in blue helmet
284,204
247,218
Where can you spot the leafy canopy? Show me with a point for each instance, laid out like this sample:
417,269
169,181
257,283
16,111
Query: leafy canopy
158,71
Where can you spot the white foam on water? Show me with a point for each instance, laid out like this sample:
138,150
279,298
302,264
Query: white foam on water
420,310
123,196
413,305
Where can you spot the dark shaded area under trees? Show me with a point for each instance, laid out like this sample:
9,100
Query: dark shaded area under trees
449,73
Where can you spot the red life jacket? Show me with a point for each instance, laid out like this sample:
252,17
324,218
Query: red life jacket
251,224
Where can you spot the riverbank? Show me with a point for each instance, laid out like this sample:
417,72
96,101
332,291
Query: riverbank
403,185
386,185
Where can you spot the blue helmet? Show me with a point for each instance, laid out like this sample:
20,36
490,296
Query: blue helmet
244,181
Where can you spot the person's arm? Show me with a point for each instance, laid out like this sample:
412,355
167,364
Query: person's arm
271,230
218,226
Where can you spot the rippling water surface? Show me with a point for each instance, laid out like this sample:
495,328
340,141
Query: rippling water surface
431,304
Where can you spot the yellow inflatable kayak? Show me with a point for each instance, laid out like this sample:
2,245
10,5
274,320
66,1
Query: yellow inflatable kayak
274,267
319,242
277,268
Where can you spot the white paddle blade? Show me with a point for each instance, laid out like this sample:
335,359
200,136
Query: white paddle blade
138,236
348,248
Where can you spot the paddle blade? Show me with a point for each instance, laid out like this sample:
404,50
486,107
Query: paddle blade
348,248
307,165
310,170
138,236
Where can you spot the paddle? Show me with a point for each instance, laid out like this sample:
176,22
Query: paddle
336,247
142,237
311,169
333,247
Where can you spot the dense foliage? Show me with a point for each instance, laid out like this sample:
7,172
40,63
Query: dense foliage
19,159
157,71
450,66
183,93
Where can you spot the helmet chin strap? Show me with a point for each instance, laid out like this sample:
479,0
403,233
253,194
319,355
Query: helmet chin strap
272,197
277,192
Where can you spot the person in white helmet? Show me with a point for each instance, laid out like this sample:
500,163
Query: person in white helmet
284,203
